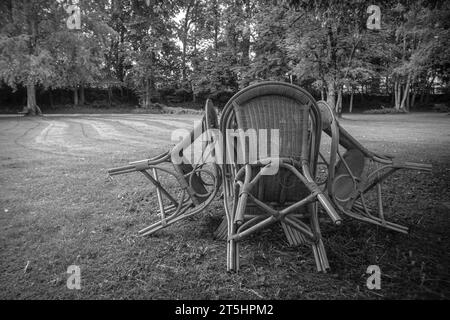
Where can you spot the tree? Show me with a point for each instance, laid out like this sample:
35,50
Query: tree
219,46
270,61
420,34
76,62
151,36
324,43
24,56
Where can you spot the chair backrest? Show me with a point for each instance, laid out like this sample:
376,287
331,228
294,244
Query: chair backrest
329,120
277,105
340,183
291,110
326,114
189,180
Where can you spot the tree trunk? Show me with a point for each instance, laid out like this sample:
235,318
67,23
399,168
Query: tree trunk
350,109
146,99
392,94
184,41
194,96
405,94
386,87
82,100
397,92
339,103
428,89
395,95
331,95
413,99
183,58
407,100
216,28
32,108
109,95
75,97
245,43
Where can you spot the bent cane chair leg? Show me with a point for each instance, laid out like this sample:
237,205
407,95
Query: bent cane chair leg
318,246
241,226
293,236
354,182
238,219
351,175
197,194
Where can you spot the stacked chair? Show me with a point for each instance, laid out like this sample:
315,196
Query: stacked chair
272,179
254,200
199,182
356,174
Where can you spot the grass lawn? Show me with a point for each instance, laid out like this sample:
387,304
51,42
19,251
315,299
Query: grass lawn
58,208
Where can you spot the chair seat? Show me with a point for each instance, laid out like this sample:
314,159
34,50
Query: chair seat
344,185
281,188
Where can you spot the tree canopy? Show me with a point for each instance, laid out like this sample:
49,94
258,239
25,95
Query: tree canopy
203,48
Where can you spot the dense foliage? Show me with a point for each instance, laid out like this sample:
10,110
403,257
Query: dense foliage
197,48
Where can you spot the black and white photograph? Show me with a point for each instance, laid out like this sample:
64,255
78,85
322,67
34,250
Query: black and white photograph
205,151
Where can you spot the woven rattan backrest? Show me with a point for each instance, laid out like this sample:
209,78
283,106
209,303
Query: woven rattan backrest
278,105
277,112
291,110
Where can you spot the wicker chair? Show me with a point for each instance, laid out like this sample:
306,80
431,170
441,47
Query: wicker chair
255,199
356,173
199,182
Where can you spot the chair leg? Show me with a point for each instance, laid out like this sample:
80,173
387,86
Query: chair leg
320,256
376,221
360,211
236,219
318,247
233,244
293,236
232,252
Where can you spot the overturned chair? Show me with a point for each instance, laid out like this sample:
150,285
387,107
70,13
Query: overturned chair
199,181
261,187
355,176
